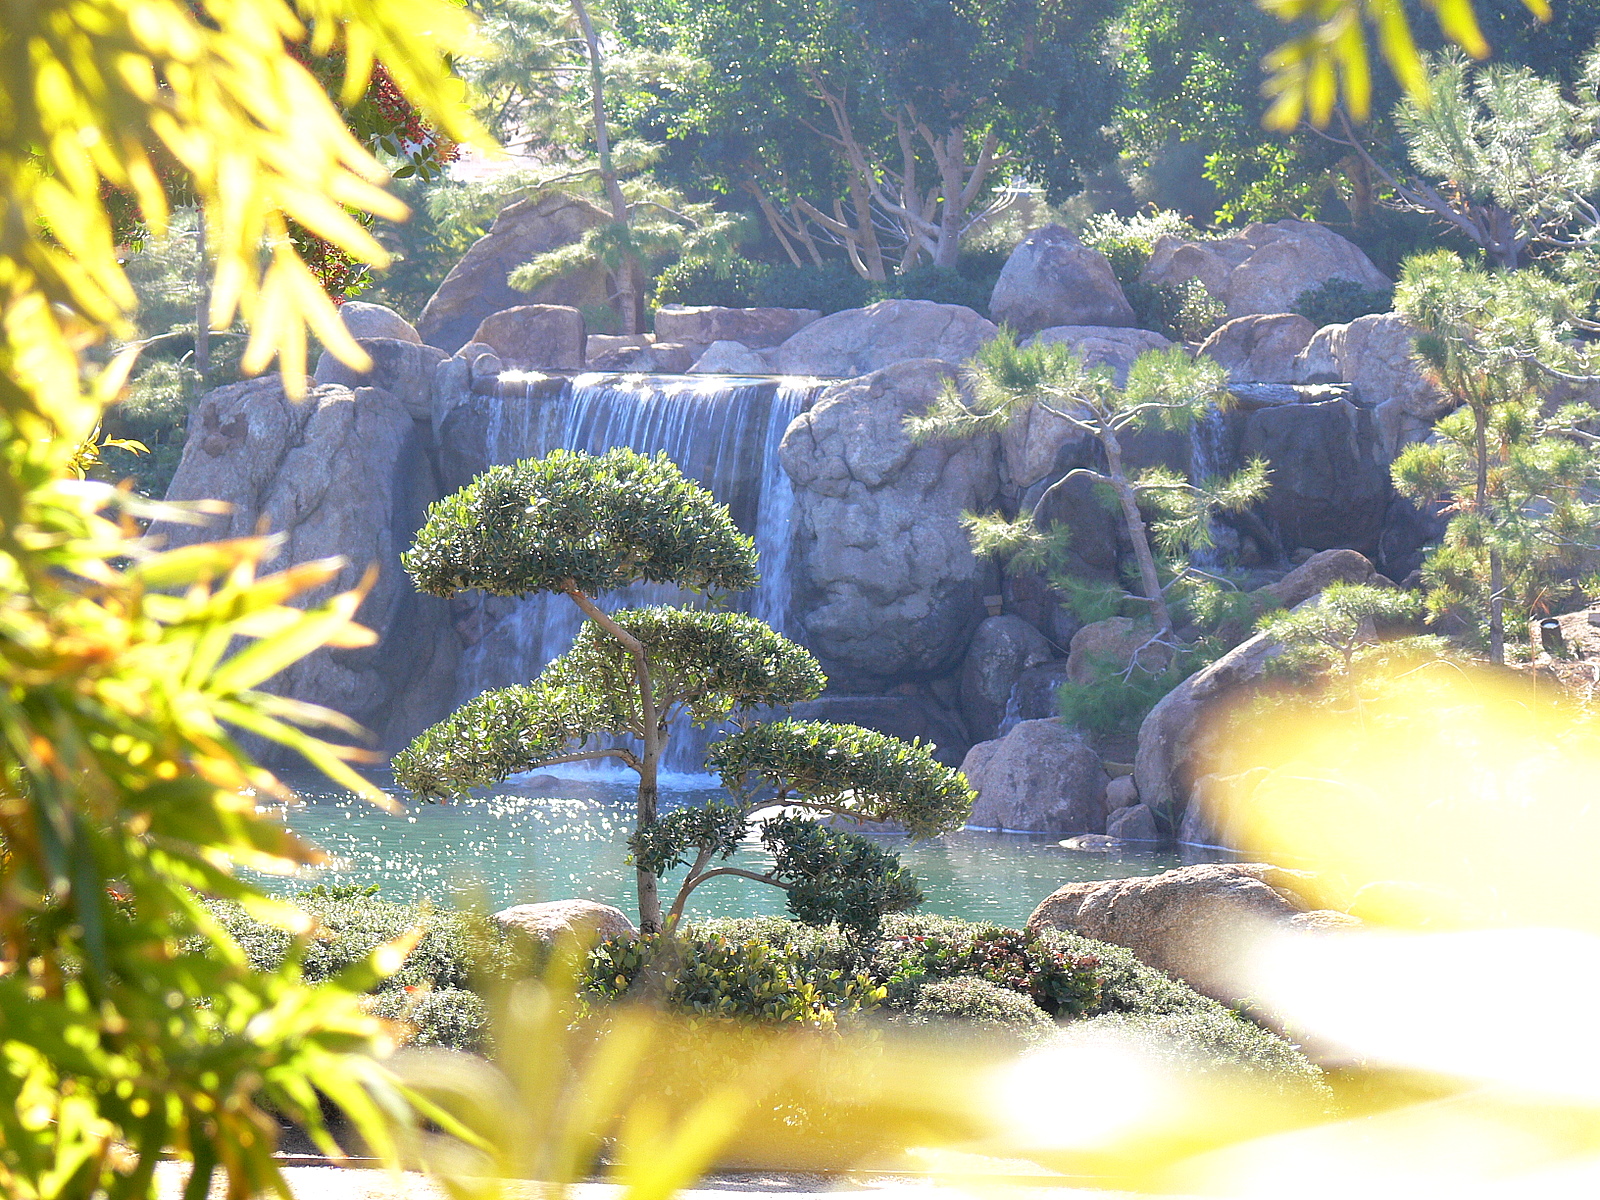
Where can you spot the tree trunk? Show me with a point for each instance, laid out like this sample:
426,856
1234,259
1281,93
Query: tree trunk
1128,498
645,816
627,273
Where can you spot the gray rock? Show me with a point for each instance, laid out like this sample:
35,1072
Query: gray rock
401,366
343,473
547,337
1052,278
1112,643
1374,353
1040,778
858,341
884,571
1121,792
1311,577
477,286
1132,823
901,715
1002,648
1260,349
365,320
704,324
555,920
731,358
1033,696
1263,268
1330,480
668,358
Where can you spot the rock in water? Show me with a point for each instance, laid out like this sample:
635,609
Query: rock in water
556,919
884,571
1040,778
861,340
1264,268
1195,923
1052,278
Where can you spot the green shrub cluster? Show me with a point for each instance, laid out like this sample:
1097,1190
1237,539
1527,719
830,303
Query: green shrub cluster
830,288
979,1004
1340,301
1056,982
1184,312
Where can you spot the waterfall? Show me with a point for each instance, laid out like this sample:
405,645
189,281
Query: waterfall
1208,457
723,431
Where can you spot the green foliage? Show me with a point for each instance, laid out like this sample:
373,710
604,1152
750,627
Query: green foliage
855,772
571,519
1340,301
451,1018
1213,1041
716,976
1350,627
979,1005
1058,983
730,283
1127,242
837,878
1183,312
705,665
830,288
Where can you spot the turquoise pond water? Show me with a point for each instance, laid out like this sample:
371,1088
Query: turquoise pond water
555,839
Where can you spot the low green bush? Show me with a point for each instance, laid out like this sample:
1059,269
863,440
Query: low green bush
829,288
454,1018
1056,982
731,284
1212,1040
1340,301
980,1005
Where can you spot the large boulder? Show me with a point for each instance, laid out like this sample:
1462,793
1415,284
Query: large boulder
548,337
477,287
730,358
884,571
1052,278
555,920
1264,268
858,341
1375,355
1033,442
403,367
1113,643
341,473
365,320
1330,477
1196,923
1260,349
1315,574
1042,777
1172,733
700,325
1002,648
1033,696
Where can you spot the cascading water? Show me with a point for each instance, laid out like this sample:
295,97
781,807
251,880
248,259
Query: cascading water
722,431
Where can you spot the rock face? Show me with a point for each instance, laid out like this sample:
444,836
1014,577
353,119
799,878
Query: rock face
883,570
1260,349
547,337
1112,643
1195,923
342,473
1002,648
556,919
1373,354
730,358
477,286
376,321
403,367
1264,268
700,325
1330,478
1040,778
1163,767
1033,696
900,715
858,341
1052,278
1033,443
1133,823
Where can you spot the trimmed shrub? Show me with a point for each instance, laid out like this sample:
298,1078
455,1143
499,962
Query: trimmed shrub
984,1006
1340,301
451,1017
829,289
731,284
1056,982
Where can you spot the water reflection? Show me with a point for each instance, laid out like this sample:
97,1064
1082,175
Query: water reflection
564,838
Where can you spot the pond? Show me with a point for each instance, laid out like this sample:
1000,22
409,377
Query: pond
564,838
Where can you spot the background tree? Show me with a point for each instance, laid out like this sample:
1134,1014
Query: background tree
1006,381
1329,645
580,526
1515,469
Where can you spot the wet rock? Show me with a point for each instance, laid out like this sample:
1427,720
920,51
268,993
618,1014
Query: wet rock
1374,353
1132,822
901,715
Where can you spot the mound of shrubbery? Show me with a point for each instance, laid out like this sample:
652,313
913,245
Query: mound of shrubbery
924,971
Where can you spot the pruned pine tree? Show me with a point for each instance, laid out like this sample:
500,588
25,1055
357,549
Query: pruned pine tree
583,525
1349,629
1005,381
1515,468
